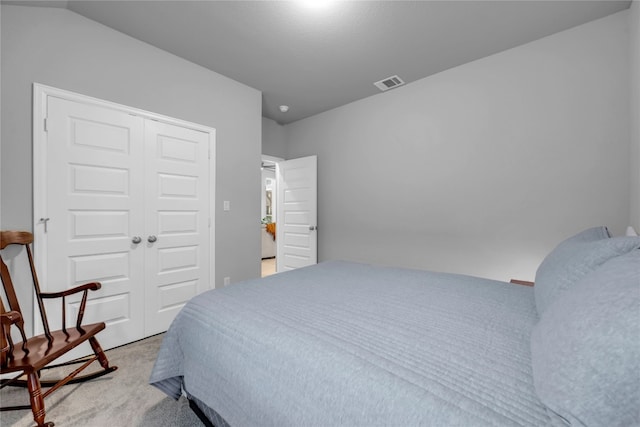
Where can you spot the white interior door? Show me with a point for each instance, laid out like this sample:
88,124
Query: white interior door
177,221
94,206
296,230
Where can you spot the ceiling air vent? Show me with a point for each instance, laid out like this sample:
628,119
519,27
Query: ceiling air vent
389,83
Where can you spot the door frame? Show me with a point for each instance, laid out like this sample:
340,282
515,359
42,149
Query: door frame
275,161
40,94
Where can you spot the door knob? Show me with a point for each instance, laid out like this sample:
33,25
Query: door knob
152,239
136,240
311,228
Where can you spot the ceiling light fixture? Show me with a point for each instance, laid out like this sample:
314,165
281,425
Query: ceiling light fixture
284,108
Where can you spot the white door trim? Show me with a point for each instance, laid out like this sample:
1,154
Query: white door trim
40,94
272,158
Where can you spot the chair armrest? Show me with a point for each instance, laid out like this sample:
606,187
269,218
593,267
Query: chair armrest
7,319
10,317
93,286
521,282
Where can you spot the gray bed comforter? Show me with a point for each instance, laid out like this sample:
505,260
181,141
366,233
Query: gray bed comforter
351,344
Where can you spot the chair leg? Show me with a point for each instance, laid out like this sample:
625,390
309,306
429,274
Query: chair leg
102,358
36,399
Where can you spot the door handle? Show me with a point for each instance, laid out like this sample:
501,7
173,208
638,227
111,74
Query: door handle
136,240
151,239
312,227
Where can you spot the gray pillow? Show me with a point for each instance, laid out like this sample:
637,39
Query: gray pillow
573,259
585,349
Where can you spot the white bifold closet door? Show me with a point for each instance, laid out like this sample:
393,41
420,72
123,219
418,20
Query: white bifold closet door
127,204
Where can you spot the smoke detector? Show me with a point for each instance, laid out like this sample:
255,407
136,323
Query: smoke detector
389,83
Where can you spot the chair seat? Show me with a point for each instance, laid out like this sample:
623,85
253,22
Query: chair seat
41,352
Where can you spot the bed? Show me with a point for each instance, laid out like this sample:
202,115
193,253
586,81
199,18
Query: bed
349,344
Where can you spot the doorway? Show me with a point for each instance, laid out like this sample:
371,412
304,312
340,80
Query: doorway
268,214
288,213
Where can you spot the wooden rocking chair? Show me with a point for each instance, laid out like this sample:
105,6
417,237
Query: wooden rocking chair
32,355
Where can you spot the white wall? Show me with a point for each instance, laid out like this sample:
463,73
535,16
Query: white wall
59,48
634,49
273,138
483,168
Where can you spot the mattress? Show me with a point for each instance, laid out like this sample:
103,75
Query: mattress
351,344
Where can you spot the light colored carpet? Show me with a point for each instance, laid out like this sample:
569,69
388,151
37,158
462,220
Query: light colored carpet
122,398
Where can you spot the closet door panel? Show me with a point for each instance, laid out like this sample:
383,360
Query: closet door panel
95,197
177,220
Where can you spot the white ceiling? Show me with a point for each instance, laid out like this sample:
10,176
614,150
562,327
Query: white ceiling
315,59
